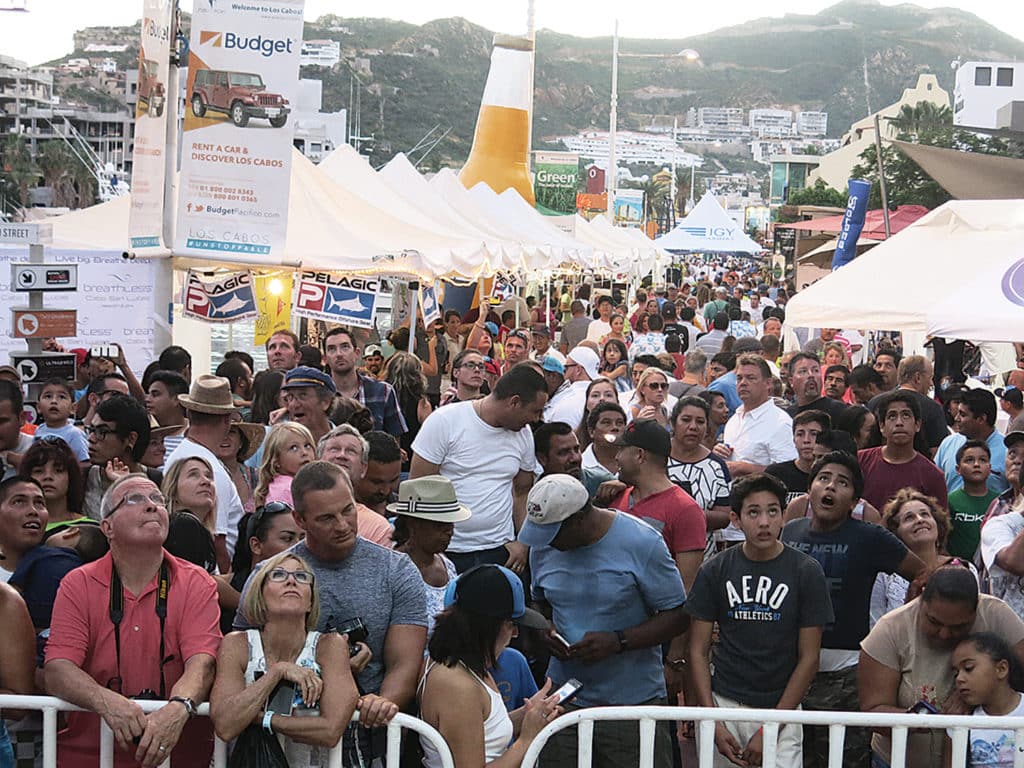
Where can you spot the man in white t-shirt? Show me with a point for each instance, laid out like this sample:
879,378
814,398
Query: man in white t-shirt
569,401
485,447
759,433
602,326
211,408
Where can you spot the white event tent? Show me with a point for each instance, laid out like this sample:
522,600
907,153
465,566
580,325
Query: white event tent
708,229
957,272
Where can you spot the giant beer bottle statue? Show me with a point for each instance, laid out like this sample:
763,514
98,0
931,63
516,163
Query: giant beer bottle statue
500,155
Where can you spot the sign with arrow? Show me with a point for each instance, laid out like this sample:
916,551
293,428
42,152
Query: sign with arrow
48,365
43,323
44,277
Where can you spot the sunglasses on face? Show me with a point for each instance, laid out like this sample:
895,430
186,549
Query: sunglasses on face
657,385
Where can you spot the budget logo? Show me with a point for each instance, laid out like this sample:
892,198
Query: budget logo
1013,283
265,46
215,39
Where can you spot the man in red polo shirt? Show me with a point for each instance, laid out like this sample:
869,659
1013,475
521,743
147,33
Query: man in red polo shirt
644,448
170,658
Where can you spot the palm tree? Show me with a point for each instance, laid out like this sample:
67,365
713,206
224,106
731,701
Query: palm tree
655,204
19,167
55,163
922,117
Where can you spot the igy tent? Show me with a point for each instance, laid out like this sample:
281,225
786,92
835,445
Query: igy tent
708,229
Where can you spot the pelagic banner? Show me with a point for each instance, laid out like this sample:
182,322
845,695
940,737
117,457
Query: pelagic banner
555,182
145,222
220,298
349,300
853,223
243,78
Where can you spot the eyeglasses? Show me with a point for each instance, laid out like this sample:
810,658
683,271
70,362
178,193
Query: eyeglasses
282,574
101,432
472,366
138,499
657,385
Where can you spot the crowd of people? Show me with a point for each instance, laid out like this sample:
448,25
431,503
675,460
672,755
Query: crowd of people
588,500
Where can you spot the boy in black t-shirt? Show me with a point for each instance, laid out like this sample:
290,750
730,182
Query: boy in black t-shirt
851,553
771,603
807,425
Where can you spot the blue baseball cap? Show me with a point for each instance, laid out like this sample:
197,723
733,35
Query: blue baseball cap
552,365
491,328
493,591
305,376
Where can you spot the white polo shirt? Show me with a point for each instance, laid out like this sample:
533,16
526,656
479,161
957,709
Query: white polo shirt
762,436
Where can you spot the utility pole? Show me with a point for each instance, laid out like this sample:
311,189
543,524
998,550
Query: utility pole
611,181
881,176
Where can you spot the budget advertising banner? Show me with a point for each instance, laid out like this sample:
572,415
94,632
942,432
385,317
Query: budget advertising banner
145,222
243,78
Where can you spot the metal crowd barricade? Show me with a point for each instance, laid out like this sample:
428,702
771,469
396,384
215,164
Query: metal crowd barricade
50,706
772,720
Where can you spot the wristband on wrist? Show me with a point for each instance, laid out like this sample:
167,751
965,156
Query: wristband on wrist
621,637
266,721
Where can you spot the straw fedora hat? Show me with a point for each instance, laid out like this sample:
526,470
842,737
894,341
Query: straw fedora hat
252,438
429,498
209,394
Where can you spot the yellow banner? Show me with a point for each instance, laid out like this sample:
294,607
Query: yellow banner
274,302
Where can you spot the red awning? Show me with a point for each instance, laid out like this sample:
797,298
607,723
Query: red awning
874,222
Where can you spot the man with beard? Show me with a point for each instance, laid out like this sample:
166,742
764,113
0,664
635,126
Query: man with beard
805,381
341,351
373,360
379,481
558,452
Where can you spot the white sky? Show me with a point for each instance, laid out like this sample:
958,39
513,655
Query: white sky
45,32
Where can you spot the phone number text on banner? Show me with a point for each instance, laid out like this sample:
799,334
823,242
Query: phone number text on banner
335,298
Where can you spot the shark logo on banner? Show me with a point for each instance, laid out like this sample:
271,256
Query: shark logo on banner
428,303
853,223
219,299
335,299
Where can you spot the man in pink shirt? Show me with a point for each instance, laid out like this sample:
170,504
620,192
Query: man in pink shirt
110,646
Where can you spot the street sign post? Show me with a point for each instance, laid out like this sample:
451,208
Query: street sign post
28,323
26,234
48,365
44,277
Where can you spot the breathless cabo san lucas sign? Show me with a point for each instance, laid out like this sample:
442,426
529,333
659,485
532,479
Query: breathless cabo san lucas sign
145,222
237,142
348,300
222,298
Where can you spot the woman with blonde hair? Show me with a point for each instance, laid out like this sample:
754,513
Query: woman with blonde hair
920,522
191,495
404,373
282,602
288,448
651,394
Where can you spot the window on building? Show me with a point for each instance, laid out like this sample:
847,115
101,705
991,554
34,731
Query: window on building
983,75
1004,77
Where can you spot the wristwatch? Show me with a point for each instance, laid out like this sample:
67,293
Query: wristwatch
187,703
621,637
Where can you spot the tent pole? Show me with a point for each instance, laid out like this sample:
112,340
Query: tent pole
881,176
414,294
163,280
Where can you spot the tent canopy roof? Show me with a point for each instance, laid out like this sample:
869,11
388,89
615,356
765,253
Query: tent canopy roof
874,222
708,229
969,175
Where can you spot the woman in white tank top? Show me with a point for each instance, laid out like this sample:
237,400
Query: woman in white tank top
282,601
482,609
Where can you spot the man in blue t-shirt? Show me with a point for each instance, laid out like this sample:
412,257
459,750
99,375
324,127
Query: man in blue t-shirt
852,553
614,594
